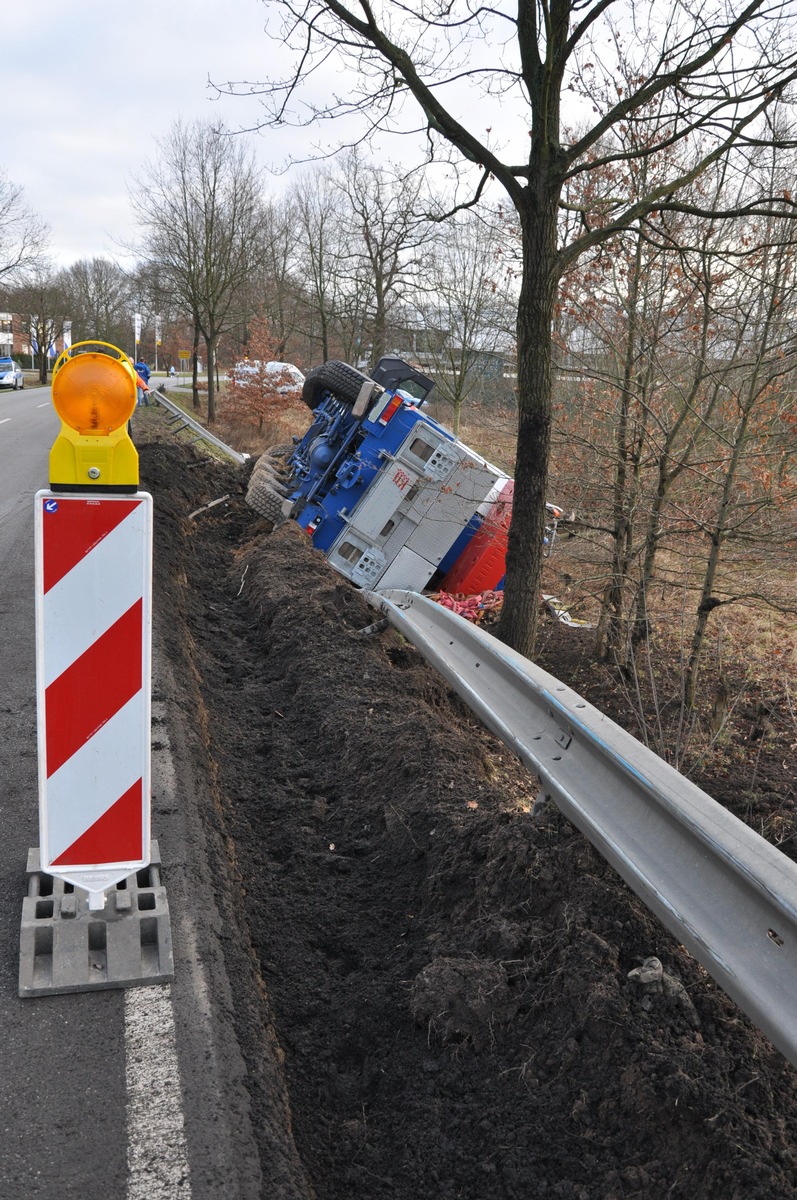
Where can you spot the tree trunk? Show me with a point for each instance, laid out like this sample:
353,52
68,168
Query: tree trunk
623,502
195,377
210,345
718,535
379,330
456,405
640,622
41,337
324,331
518,623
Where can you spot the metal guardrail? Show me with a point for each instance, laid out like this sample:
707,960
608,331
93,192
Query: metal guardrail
728,895
199,429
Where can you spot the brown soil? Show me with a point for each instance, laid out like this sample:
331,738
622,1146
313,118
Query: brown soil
446,978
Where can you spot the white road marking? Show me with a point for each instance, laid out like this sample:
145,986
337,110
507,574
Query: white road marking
5,420
45,405
157,1156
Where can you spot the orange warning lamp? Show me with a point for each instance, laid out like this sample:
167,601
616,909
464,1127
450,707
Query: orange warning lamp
94,394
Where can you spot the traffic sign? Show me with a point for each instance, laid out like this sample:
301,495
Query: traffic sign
93,591
93,638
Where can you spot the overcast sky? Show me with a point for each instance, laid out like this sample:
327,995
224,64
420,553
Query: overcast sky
89,87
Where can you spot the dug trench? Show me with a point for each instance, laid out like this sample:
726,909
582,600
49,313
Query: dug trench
432,988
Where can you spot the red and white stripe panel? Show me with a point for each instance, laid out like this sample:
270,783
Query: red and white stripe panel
93,640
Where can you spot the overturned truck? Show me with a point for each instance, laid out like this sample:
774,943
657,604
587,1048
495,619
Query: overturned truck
392,498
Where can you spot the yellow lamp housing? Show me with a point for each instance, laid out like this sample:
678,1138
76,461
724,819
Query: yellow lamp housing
94,394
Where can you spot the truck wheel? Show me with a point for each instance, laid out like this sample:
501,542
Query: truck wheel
264,463
273,460
264,500
276,459
336,377
267,472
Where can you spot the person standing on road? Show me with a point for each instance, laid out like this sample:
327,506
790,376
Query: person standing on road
143,372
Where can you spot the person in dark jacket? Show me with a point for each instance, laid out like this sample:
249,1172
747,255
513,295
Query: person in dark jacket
143,372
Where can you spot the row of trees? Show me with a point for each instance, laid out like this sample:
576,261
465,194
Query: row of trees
677,414
347,263
94,298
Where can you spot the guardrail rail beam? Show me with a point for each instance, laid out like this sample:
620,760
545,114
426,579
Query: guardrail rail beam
726,894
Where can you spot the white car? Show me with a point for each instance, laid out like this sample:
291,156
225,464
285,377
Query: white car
11,374
290,378
242,368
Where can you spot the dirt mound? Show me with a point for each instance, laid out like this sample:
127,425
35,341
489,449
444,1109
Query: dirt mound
448,978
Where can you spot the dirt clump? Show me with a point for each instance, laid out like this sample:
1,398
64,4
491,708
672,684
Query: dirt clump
447,977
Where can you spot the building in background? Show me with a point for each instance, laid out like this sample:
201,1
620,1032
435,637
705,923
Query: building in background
15,339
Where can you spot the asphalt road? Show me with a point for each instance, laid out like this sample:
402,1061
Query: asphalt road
135,1094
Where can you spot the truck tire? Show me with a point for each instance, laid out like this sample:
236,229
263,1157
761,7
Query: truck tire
266,465
273,461
265,501
336,377
278,480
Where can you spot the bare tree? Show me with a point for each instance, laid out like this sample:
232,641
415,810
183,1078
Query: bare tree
318,207
97,293
23,235
42,304
384,230
273,290
756,392
688,358
466,308
201,214
711,71
353,255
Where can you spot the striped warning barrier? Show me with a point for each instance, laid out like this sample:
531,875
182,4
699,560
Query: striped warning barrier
93,637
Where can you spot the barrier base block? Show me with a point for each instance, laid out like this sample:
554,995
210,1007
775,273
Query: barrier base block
67,947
